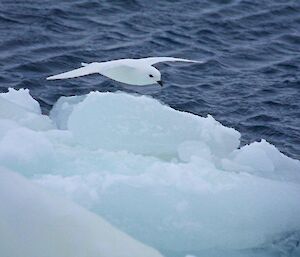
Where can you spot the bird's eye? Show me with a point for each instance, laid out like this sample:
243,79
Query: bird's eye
151,76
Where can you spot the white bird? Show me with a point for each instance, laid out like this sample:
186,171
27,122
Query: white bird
129,71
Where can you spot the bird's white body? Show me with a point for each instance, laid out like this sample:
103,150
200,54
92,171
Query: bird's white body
129,71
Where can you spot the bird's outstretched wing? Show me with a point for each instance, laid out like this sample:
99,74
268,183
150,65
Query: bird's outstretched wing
154,60
94,67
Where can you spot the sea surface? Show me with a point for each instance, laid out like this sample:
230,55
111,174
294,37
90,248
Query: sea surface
250,79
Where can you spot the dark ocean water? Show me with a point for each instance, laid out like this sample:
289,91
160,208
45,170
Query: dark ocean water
250,79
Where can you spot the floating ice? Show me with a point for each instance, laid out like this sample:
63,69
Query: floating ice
35,223
23,99
142,125
173,180
18,108
263,159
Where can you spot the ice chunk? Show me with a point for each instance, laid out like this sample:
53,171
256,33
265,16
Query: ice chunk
142,125
171,179
63,108
263,159
22,109
34,223
23,99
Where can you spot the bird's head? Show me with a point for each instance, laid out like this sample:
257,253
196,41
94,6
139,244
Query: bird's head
152,75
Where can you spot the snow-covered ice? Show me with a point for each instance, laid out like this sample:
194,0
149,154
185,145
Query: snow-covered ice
34,223
175,181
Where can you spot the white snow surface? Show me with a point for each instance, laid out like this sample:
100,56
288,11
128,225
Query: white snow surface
170,179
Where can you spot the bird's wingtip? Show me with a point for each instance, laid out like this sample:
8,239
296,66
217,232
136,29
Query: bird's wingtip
197,61
51,78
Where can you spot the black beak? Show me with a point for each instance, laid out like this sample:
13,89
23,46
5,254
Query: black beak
160,83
